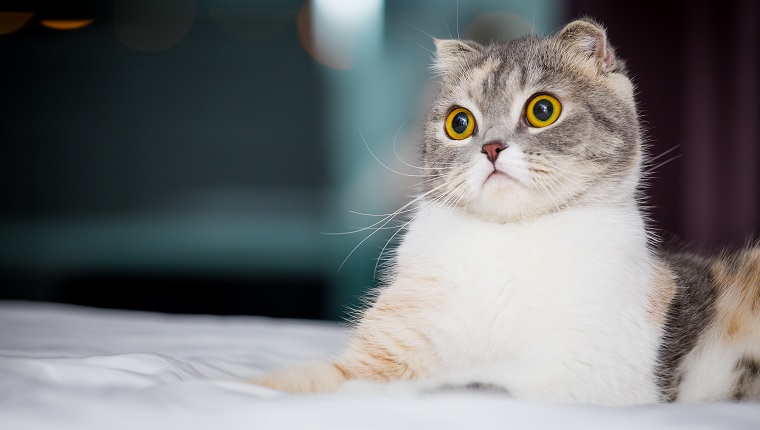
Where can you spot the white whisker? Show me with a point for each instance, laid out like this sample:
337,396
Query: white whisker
426,49
383,164
444,25
387,220
372,226
395,138
418,29
650,169
663,154
366,214
458,37
421,210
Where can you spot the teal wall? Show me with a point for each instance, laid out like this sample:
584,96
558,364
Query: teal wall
228,152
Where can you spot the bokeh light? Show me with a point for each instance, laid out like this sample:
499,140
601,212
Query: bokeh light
66,24
13,21
336,32
304,27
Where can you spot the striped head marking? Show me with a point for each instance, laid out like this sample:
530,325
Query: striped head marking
532,126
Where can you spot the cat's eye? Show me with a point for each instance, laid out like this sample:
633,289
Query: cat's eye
460,124
542,110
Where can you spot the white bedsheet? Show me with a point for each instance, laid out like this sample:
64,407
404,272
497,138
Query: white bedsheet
66,367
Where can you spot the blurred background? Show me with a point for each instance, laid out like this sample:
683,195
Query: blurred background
189,155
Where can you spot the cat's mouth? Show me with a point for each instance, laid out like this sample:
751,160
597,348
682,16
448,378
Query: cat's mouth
501,176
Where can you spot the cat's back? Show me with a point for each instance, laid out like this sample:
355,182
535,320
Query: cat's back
711,341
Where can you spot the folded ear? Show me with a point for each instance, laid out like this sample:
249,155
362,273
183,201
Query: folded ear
453,55
587,37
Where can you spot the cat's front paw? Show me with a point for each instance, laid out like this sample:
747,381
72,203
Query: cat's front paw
277,381
314,378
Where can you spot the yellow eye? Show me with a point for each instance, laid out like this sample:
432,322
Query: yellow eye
542,110
460,124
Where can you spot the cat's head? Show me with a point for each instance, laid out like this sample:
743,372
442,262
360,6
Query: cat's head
532,126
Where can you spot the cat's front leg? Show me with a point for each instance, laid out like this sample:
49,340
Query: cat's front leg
391,342
374,358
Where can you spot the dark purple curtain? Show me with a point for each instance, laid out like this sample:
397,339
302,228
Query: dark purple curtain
695,64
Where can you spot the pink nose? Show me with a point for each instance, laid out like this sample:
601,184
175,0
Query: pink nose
492,150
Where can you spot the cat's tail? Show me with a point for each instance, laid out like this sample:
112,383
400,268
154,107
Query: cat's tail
312,378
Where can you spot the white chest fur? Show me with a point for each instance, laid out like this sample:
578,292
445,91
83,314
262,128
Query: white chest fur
552,308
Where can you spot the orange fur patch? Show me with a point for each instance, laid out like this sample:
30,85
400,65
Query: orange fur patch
738,304
661,294
343,371
388,344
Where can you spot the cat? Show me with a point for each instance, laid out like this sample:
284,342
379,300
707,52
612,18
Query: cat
528,265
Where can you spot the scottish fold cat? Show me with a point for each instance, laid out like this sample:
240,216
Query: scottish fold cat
528,266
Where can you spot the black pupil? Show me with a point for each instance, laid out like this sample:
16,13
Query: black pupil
459,122
543,110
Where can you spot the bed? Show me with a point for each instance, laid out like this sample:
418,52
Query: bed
68,367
